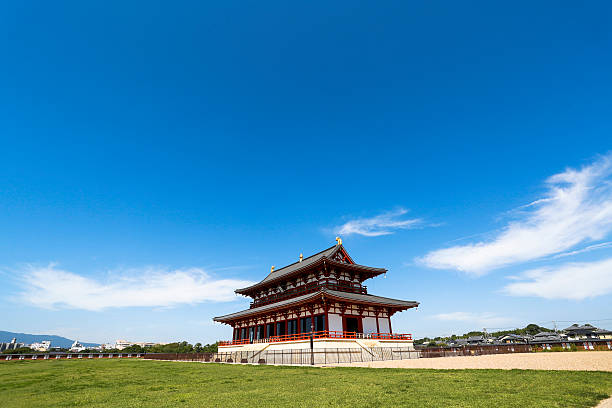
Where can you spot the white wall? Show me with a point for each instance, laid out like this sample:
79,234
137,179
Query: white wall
335,322
369,325
383,324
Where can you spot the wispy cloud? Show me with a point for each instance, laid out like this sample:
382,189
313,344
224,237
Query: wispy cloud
573,281
382,224
589,248
50,287
475,319
576,208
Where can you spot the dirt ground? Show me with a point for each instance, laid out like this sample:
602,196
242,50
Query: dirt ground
579,360
605,403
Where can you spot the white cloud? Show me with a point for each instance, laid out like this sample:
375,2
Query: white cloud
589,248
573,281
383,224
50,287
577,208
475,319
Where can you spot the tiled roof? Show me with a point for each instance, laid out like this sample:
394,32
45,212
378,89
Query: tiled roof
545,334
306,262
271,306
602,331
356,297
371,298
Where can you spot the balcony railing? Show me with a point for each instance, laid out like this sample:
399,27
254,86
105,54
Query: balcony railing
308,288
325,334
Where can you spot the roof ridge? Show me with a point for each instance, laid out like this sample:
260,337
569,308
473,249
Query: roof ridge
305,262
308,257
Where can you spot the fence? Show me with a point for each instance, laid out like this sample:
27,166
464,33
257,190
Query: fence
319,335
66,356
355,355
474,350
322,356
295,356
339,355
594,344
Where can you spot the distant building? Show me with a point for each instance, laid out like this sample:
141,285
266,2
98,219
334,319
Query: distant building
44,345
13,345
584,332
548,337
458,342
122,344
77,347
512,339
473,340
603,334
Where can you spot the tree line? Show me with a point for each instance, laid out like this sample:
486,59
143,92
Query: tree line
181,347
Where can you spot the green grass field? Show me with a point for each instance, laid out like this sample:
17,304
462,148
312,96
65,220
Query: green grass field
137,383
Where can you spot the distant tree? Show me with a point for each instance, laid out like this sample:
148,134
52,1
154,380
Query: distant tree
134,348
20,350
211,348
182,347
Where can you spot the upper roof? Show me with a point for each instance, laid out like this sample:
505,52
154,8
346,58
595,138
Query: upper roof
333,294
545,334
286,270
329,254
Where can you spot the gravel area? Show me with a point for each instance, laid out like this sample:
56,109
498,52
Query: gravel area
579,361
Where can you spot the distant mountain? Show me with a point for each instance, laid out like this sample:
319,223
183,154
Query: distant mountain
56,341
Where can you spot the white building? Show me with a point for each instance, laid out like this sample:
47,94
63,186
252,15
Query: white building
44,345
76,347
13,345
121,344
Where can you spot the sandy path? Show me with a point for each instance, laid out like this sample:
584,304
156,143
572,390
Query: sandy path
586,360
605,403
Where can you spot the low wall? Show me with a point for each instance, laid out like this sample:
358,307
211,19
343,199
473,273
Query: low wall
322,343
295,356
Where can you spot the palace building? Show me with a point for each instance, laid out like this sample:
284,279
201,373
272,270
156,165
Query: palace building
319,299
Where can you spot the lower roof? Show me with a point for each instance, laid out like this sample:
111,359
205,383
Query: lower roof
327,293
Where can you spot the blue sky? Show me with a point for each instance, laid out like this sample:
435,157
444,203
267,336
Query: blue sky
157,155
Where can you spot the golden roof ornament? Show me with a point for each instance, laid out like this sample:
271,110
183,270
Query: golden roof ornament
301,257
339,241
272,269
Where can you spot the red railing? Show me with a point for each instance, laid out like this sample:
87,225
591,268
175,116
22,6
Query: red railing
325,334
311,287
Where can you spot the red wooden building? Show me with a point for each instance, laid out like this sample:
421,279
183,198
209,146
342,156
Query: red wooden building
320,297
